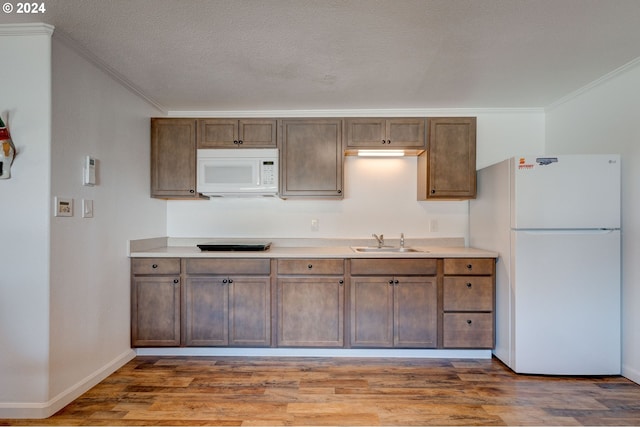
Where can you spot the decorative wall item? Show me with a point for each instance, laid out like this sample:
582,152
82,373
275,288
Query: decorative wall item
7,151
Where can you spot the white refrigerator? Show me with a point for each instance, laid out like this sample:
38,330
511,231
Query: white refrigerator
555,221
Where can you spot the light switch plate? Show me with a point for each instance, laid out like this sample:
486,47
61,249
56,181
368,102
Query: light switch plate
87,208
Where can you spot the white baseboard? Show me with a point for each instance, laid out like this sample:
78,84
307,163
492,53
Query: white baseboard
632,374
313,352
46,409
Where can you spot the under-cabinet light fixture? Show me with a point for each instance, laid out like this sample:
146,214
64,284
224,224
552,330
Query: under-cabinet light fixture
380,153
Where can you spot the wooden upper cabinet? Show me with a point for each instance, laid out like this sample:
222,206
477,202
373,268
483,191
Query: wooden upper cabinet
311,158
237,133
173,158
383,133
447,170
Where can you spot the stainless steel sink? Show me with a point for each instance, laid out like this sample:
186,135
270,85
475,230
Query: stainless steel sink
383,249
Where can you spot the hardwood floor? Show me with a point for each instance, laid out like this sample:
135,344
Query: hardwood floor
322,391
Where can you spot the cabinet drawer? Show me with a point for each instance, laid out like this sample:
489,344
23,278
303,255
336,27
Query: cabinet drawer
310,266
155,265
468,293
393,267
468,330
244,266
469,266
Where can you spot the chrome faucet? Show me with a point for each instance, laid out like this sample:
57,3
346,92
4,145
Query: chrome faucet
402,240
379,239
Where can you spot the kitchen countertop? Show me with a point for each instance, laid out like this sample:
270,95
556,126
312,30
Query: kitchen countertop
167,247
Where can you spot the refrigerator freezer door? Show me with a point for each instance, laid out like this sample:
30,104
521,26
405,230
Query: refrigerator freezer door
570,191
566,303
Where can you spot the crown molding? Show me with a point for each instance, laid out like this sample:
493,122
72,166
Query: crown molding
600,81
389,112
28,29
106,68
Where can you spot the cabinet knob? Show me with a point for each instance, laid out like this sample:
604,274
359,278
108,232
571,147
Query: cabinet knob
433,191
395,282
192,191
176,280
225,281
469,285
154,266
341,282
384,142
230,280
310,266
469,321
235,141
391,282
339,191
469,266
240,141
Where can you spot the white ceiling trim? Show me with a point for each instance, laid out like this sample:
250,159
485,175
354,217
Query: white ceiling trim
404,112
103,66
26,29
586,88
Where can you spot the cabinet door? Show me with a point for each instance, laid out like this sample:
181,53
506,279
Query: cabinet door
217,133
207,311
366,133
155,311
405,133
371,312
447,170
415,312
310,312
173,158
250,311
311,158
254,133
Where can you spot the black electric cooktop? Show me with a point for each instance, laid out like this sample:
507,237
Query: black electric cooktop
235,246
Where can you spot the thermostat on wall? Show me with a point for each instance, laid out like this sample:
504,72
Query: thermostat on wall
89,171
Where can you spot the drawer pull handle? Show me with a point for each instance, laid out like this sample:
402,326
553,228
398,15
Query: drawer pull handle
469,266
310,266
154,266
469,321
469,285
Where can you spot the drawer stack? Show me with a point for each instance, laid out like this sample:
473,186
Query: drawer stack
468,297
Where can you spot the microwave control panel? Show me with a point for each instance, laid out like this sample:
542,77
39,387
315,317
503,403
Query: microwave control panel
268,172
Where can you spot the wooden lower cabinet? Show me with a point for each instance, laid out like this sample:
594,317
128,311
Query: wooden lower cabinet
398,312
227,311
311,312
468,301
311,300
155,302
385,303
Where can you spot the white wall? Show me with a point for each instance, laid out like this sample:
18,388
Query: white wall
25,94
64,282
380,194
90,283
604,119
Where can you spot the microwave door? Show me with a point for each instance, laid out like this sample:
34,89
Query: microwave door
230,175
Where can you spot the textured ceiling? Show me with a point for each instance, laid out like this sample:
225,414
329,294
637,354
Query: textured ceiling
216,55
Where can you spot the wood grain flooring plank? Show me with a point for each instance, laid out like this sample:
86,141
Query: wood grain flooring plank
250,391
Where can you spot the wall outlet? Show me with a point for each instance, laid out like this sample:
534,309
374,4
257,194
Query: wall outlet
315,224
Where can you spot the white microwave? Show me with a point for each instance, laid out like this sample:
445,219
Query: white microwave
238,172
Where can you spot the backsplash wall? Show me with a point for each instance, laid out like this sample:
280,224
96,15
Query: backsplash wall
380,197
